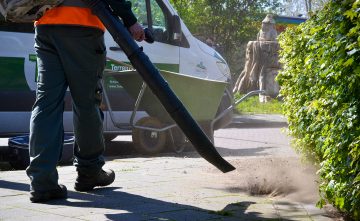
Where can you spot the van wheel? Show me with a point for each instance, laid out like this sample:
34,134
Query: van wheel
147,141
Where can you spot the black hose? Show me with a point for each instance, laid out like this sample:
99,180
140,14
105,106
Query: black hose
158,85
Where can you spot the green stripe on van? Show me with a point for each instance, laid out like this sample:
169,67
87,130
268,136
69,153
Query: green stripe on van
168,67
12,74
113,66
112,84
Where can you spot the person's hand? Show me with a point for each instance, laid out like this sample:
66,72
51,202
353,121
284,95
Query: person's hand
137,32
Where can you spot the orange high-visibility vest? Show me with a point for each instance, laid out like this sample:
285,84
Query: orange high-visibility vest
71,12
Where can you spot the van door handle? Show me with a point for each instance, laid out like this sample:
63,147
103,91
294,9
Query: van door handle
115,48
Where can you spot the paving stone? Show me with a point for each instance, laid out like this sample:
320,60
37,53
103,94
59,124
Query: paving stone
267,210
185,215
15,213
315,213
49,217
120,215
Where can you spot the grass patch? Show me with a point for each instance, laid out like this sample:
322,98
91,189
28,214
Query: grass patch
252,105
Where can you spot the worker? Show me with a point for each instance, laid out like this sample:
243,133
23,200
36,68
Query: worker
71,53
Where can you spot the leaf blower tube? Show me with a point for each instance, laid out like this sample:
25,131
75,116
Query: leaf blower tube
158,85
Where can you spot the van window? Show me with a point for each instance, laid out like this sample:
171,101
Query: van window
139,9
15,27
151,15
158,17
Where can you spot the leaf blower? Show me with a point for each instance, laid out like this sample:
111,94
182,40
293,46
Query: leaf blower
152,77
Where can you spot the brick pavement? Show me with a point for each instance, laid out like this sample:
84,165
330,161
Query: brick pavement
185,187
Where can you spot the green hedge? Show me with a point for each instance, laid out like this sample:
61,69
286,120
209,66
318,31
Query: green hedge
320,84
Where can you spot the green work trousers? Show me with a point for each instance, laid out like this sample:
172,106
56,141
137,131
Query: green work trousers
68,57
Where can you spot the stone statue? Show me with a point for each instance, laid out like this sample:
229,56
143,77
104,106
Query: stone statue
261,66
268,30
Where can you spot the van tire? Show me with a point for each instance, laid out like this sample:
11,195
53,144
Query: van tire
146,141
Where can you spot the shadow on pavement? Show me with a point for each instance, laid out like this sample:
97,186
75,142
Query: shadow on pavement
125,149
119,148
136,207
256,123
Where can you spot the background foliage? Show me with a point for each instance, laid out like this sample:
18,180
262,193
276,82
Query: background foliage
304,7
320,84
231,23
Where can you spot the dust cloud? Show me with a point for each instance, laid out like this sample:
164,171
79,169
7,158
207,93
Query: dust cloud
276,177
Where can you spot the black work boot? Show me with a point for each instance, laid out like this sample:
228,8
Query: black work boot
88,182
43,196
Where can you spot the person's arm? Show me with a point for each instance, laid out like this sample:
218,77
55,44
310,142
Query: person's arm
122,8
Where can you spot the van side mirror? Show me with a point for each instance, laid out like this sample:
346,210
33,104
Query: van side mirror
177,33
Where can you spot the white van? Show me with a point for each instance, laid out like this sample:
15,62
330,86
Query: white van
175,49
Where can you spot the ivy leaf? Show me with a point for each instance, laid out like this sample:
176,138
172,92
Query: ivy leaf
357,179
321,94
348,62
350,14
353,31
353,51
339,201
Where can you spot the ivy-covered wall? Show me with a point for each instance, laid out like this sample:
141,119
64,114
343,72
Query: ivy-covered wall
320,84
